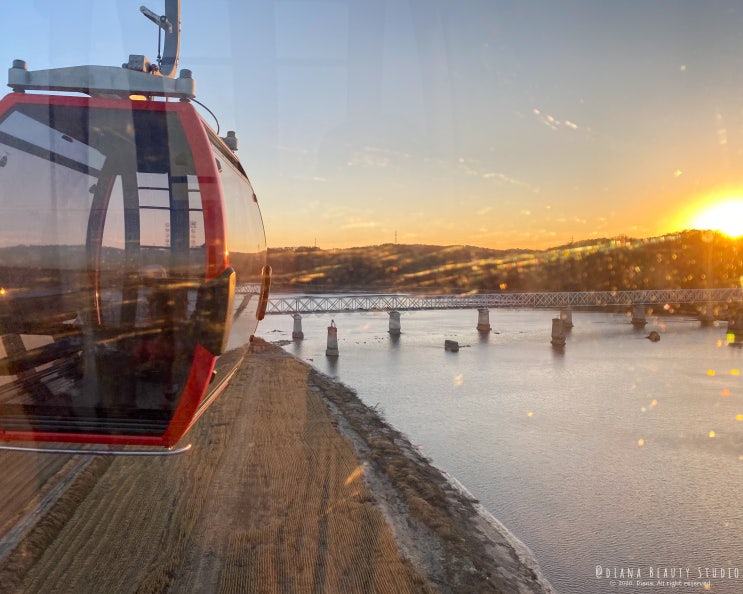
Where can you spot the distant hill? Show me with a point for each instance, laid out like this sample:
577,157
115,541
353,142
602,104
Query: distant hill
682,260
691,259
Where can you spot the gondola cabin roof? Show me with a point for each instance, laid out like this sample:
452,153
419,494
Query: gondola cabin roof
132,78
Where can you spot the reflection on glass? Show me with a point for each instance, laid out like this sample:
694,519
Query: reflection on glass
245,235
103,267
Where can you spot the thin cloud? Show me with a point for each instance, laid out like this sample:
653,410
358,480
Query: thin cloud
345,213
503,178
361,225
372,157
310,178
296,150
551,121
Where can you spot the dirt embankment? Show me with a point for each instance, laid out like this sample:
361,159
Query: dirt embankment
292,485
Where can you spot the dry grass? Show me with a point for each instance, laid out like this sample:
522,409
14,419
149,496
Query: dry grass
49,526
272,498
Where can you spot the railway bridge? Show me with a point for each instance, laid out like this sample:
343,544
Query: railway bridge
291,304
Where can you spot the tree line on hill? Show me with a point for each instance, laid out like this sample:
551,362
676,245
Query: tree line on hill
691,259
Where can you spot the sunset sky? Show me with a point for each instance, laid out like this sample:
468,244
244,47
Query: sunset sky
481,122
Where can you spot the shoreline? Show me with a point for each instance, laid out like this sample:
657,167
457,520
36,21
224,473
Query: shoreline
479,549
524,553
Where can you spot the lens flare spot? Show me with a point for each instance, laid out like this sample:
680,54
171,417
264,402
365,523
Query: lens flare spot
650,406
711,434
711,372
355,475
641,442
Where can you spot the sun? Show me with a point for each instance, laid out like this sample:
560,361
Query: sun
725,216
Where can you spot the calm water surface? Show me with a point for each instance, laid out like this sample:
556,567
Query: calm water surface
614,454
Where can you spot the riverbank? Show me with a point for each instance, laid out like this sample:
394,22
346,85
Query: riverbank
292,484
450,538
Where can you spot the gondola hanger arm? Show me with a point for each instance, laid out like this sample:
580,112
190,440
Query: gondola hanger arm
137,77
170,25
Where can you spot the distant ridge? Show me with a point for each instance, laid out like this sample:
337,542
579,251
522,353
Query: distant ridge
689,259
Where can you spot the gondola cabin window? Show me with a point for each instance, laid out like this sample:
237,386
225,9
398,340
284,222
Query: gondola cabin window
243,229
113,260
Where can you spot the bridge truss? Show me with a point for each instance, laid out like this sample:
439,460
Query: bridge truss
388,302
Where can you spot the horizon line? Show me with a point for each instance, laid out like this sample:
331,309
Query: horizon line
581,242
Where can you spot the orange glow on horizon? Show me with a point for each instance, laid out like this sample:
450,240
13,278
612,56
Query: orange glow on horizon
725,216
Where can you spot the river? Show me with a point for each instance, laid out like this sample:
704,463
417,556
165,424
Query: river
618,461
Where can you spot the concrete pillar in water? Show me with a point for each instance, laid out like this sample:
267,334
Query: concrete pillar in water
735,330
566,315
297,333
332,349
638,316
558,332
706,314
483,319
395,323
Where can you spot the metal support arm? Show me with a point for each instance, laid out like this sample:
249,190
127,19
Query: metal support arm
170,23
136,77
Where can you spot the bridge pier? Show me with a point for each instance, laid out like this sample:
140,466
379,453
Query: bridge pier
706,314
483,319
566,315
394,327
638,315
735,329
332,348
558,332
297,333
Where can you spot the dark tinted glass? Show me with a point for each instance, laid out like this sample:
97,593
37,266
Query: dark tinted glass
102,254
245,238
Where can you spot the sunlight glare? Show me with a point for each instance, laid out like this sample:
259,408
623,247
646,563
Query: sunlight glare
725,216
